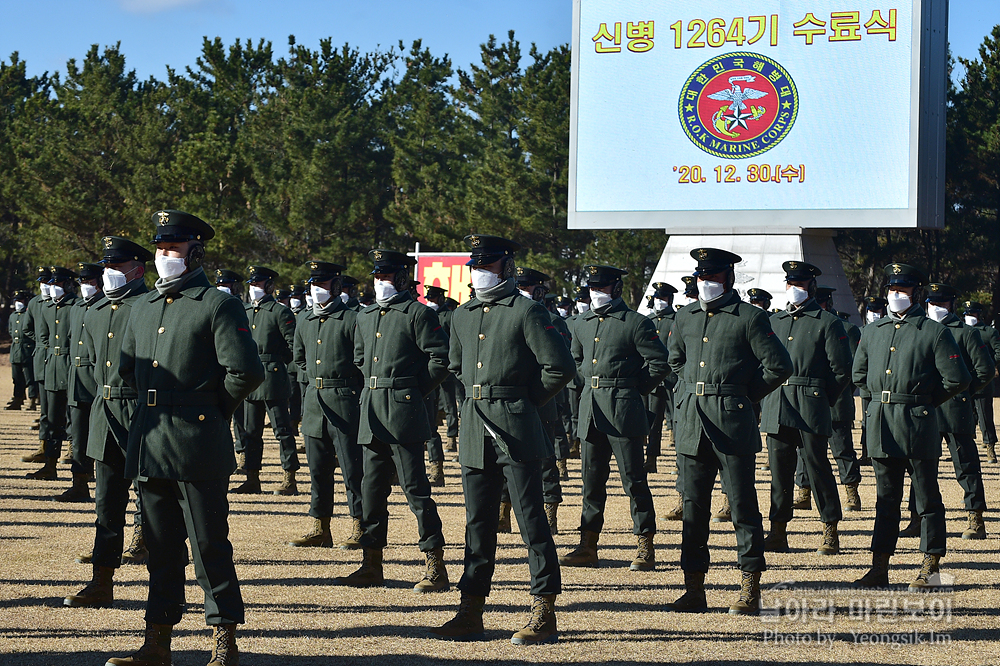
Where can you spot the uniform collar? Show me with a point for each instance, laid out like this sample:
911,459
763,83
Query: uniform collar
268,298
401,302
728,304
506,301
616,309
194,288
810,308
915,315
336,313
952,321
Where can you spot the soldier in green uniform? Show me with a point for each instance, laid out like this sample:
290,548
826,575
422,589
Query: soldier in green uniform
21,349
760,298
297,304
36,306
690,294
797,416
349,293
563,308
189,355
110,419
910,365
437,299
973,315
621,358
874,309
402,353
726,357
511,359
435,446
575,388
228,282
659,401
272,326
324,349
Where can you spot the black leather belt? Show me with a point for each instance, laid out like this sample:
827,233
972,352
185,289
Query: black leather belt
480,392
613,382
701,388
890,397
119,393
329,383
159,398
392,382
805,381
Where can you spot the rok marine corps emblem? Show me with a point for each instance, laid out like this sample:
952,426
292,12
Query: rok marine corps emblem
738,105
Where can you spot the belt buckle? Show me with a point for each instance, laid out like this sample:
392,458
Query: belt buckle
56,350
151,398
76,361
107,392
595,382
373,382
784,383
699,388
885,396
477,391
319,382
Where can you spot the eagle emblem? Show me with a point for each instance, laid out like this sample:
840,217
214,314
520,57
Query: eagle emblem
520,271
218,272
475,241
793,265
593,270
378,255
314,265
108,242
251,270
703,254
896,269
164,217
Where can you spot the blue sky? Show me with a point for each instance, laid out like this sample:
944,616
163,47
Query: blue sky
157,33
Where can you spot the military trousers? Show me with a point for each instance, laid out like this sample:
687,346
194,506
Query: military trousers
56,410
865,401
435,447
889,477
561,425
23,385
738,477
596,452
984,414
281,424
575,396
782,449
551,484
111,504
656,404
842,447
323,454
239,431
482,489
197,511
968,471
294,403
407,460
79,424
449,403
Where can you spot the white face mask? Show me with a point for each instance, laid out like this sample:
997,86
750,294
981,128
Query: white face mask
170,267
309,300
256,293
225,290
56,292
936,313
872,317
296,303
45,291
659,305
526,294
18,306
384,290
319,295
796,295
598,299
88,291
433,306
709,291
483,279
582,307
113,279
971,321
344,297
898,302
563,312
758,305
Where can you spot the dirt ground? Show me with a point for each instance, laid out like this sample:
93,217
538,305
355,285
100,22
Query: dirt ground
610,615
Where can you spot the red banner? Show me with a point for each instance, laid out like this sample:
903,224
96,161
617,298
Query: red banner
446,270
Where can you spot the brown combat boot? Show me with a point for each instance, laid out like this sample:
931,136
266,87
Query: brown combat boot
318,537
831,540
777,539
46,473
749,600
724,514
912,528
155,650
353,540
241,463
803,500
14,405
99,592
585,555
452,444
251,486
369,574
676,513
991,452
693,600
78,492
436,477
224,652
436,577
552,514
977,528
467,625
563,469
853,501
38,456
504,525
878,575
136,553
645,553
288,486
926,580
32,404
541,627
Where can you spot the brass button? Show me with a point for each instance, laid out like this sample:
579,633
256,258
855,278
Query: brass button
711,314
156,364
597,339
897,325
600,319
815,392
486,309
201,417
479,365
704,339
888,372
57,337
407,396
253,325
57,321
379,334
275,370
482,336
795,318
114,306
595,361
318,361
160,330
657,331
111,334
741,405
925,412
169,301
375,359
319,342
109,364
790,337
322,320
702,364
382,313
80,342
892,349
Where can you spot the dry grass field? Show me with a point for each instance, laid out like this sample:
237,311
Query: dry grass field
609,615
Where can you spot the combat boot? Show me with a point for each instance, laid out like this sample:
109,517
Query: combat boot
32,404
452,444
645,553
541,627
563,469
84,557
35,425
585,554
853,501
650,465
155,650
14,405
38,456
878,575
318,537
436,477
136,553
831,540
353,540
436,577
724,514
99,592
912,528
676,513
552,515
288,485
926,579
46,473
777,539
78,492
574,449
369,574
241,463
749,600
693,600
803,500
251,486
224,652
977,528
467,625
504,526
991,452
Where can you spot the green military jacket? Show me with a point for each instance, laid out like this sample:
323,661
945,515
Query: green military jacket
192,360
403,356
115,402
272,326
81,369
22,345
957,414
821,367
909,365
36,317
843,410
324,350
725,359
512,360
55,335
664,322
293,368
992,339
620,357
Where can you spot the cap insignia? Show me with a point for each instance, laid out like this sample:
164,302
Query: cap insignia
108,242
793,265
475,241
314,265
164,217
896,270
703,254
378,255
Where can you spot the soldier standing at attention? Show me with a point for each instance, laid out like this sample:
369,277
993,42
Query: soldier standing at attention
660,399
575,387
110,418
297,304
511,359
435,446
797,417
402,353
36,309
189,355
621,358
983,400
437,300
228,282
874,309
725,356
910,365
21,349
272,326
349,293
